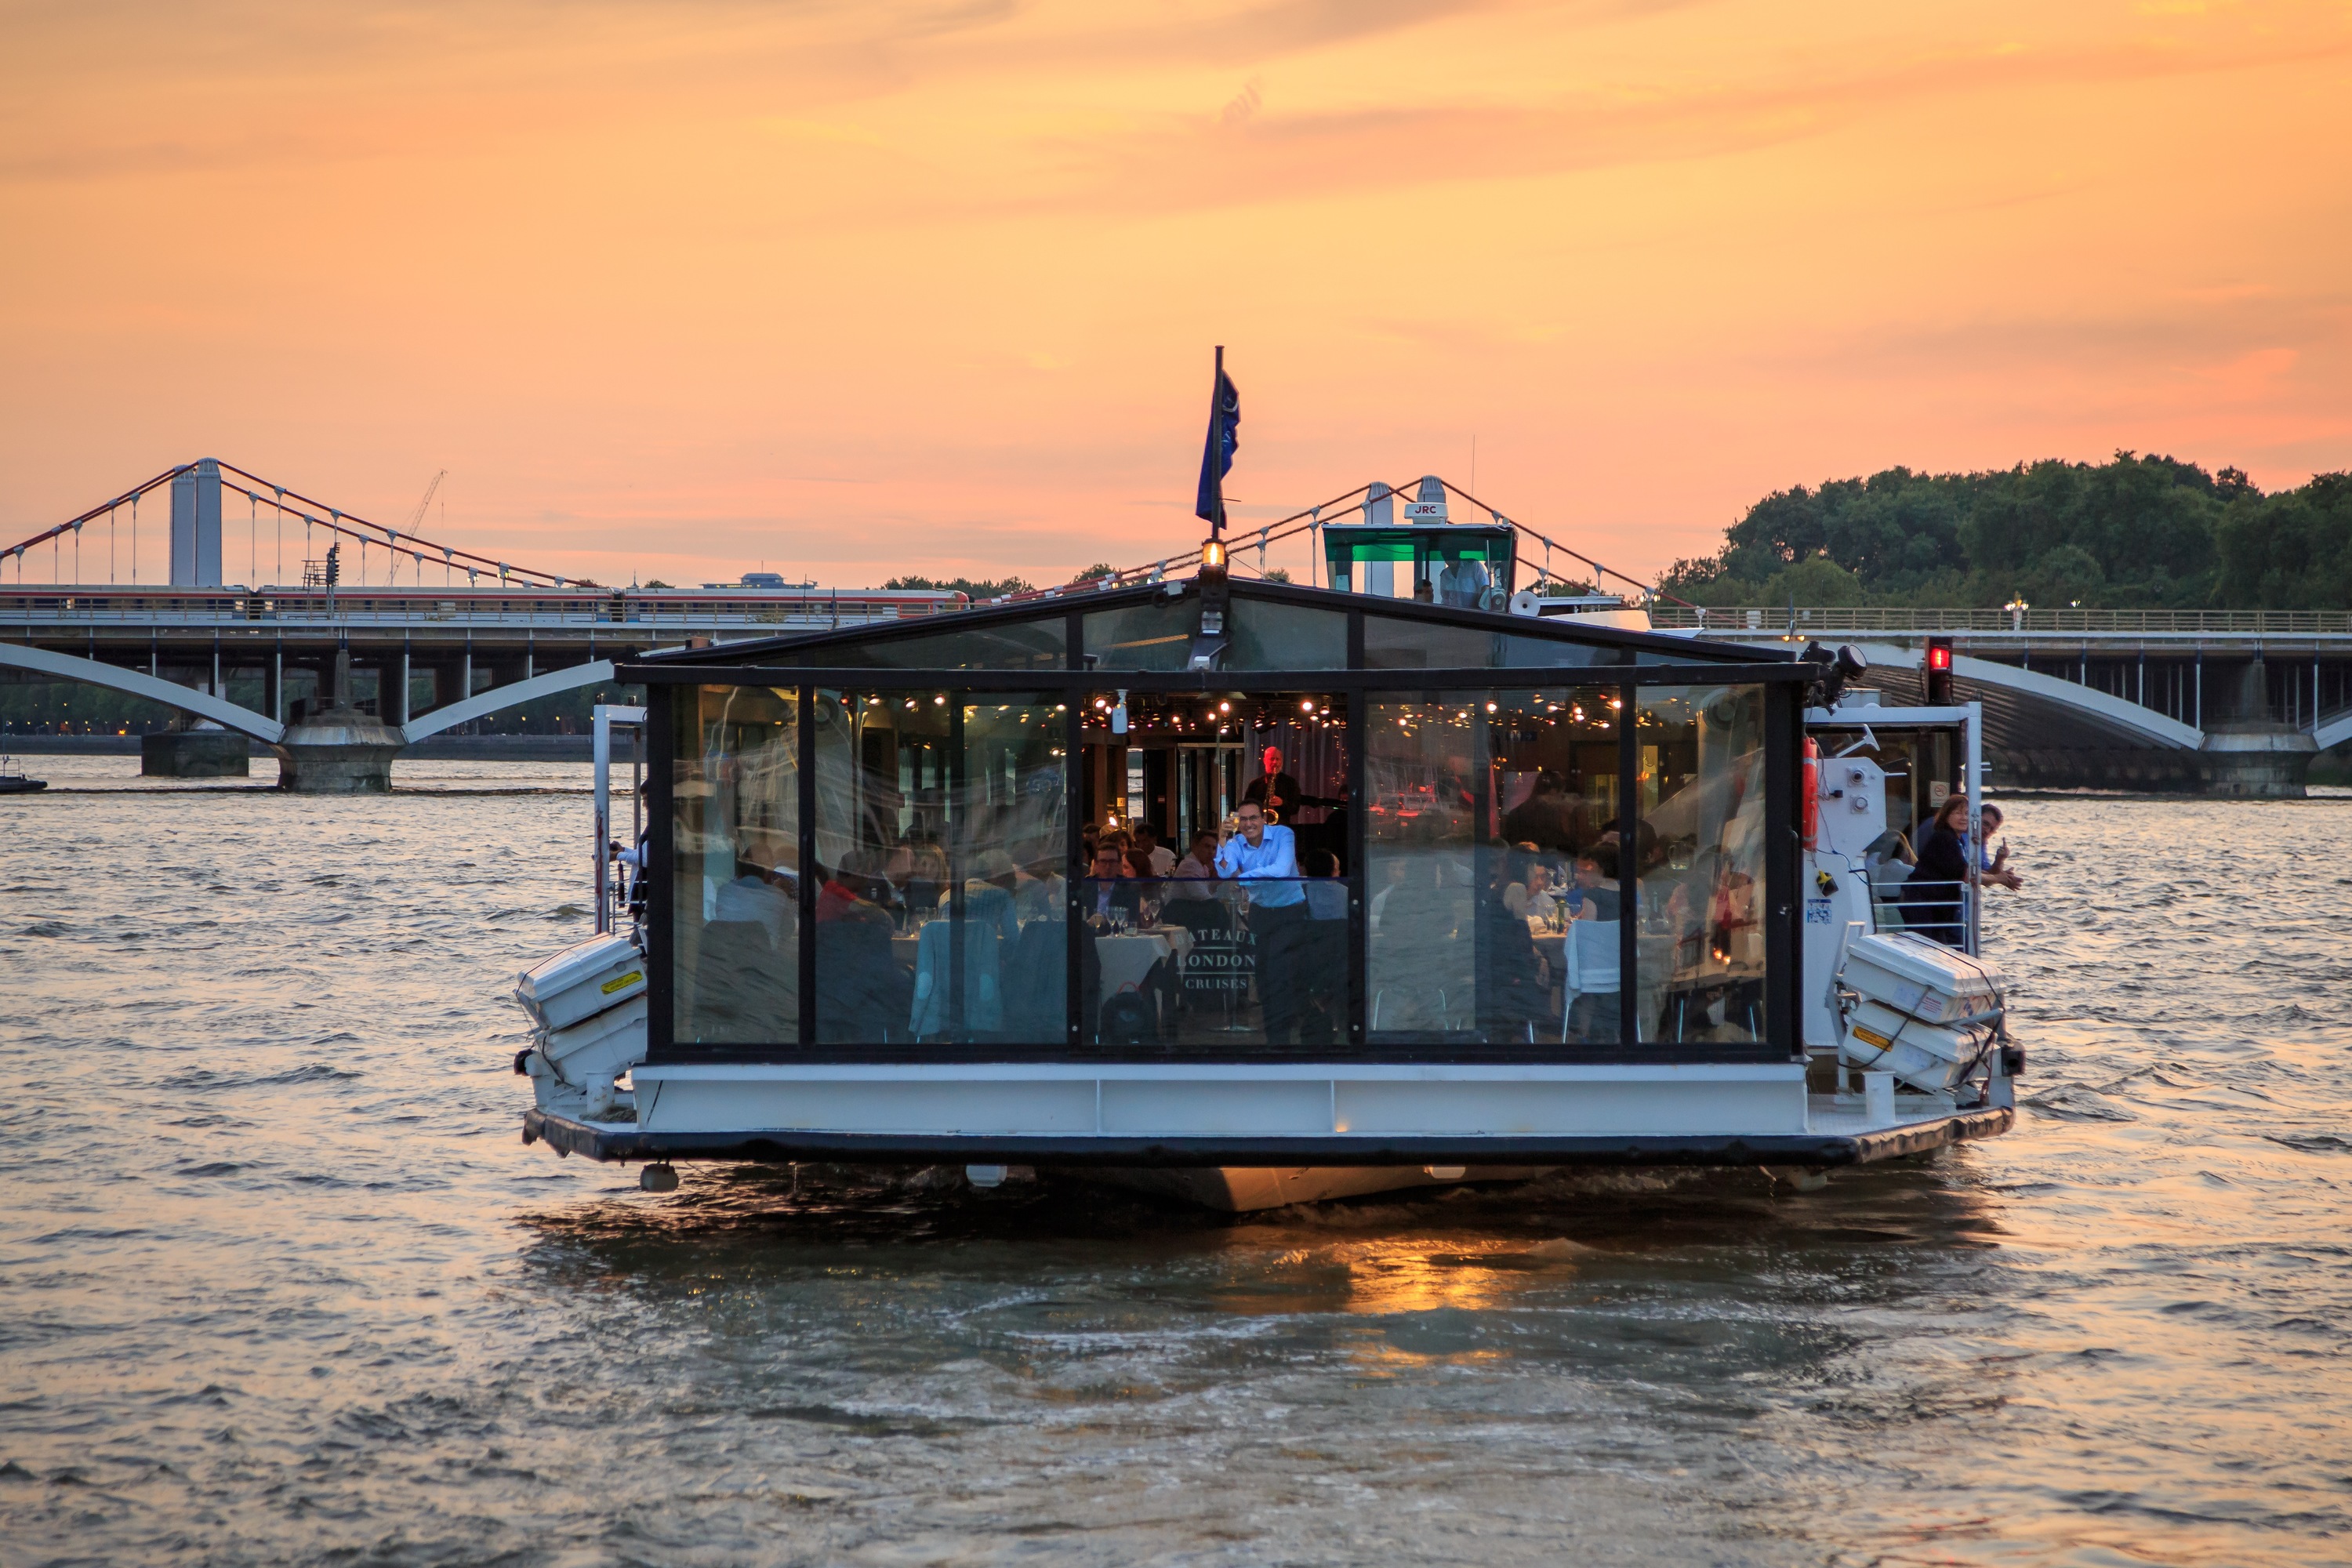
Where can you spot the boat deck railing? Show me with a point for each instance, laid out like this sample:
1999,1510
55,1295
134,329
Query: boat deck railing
1819,620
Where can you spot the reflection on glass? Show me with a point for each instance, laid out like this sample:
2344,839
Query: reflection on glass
940,832
1391,643
1700,955
735,789
1285,637
1012,644
1153,635
1482,803
1220,961
1394,644
1559,653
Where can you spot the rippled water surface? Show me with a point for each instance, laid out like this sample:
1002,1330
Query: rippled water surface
280,1283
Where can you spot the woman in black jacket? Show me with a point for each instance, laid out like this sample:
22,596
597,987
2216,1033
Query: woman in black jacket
1931,899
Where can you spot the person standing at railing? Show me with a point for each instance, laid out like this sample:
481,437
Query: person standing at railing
1264,858
1931,898
1992,867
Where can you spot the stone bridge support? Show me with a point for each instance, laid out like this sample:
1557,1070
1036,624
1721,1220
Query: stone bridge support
333,746
2044,732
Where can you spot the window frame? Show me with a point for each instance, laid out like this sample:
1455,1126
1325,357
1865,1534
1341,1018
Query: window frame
1782,681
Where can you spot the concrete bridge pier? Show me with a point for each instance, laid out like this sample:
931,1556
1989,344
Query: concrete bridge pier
2252,755
2256,759
211,752
195,747
338,750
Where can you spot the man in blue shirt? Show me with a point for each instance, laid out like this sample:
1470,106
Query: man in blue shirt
1265,859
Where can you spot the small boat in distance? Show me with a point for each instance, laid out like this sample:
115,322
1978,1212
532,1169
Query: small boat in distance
13,780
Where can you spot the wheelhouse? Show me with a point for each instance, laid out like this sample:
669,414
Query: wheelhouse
1424,555
876,854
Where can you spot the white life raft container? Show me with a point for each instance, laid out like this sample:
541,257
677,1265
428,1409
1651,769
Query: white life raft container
1928,1057
594,976
587,1057
1909,974
1926,1013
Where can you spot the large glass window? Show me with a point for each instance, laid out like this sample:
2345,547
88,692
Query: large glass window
941,833
1285,637
1468,567
1481,805
1214,896
1006,645
1559,653
1155,635
1394,643
735,788
1700,863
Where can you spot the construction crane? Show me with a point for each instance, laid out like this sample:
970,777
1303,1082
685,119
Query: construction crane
416,521
416,518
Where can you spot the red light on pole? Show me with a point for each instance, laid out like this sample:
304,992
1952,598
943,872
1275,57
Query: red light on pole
1939,672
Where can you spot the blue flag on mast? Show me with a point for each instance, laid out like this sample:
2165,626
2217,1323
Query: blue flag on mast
1217,450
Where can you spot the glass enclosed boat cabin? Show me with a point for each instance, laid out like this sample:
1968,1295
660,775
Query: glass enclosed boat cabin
1222,874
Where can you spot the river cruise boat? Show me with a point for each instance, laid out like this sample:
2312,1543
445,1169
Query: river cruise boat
1444,889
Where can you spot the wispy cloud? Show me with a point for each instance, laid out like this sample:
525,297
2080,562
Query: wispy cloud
872,284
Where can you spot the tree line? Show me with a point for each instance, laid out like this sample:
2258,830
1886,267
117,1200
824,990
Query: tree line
2137,533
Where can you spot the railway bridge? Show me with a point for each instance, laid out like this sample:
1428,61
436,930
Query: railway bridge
369,637
376,638
2228,702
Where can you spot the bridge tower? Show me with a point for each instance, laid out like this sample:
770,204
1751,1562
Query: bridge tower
196,526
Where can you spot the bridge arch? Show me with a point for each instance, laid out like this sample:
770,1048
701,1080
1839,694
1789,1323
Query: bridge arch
269,732
203,705
595,672
2019,702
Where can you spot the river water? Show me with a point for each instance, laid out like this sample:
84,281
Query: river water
279,1282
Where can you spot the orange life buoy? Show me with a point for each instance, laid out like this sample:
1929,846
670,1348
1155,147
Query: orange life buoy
1812,793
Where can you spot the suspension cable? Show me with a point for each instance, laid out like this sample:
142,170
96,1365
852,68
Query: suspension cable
1309,519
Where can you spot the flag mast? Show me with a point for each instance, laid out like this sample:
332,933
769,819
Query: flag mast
1217,442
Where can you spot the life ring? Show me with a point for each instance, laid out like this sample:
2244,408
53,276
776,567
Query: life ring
1812,793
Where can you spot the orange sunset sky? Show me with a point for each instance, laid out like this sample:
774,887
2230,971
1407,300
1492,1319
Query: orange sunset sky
855,290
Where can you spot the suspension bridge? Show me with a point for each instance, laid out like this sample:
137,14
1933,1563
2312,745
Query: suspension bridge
341,620
2219,701
348,639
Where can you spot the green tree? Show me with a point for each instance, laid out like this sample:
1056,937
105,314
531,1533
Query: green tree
2291,551
2132,532
978,590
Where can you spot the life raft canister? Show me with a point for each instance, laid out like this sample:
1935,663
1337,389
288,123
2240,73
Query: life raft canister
1812,793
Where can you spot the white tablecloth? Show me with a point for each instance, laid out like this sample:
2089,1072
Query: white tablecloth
1125,960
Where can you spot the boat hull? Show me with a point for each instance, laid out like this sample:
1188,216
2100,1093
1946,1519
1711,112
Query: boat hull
1824,1150
1245,1189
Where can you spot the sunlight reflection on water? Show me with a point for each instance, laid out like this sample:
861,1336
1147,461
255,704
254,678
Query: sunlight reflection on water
278,1281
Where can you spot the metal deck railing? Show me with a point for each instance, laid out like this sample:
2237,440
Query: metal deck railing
1816,620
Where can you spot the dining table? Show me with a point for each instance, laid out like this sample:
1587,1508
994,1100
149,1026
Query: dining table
1127,957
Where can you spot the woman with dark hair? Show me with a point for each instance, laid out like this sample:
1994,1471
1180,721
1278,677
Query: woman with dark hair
1931,899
